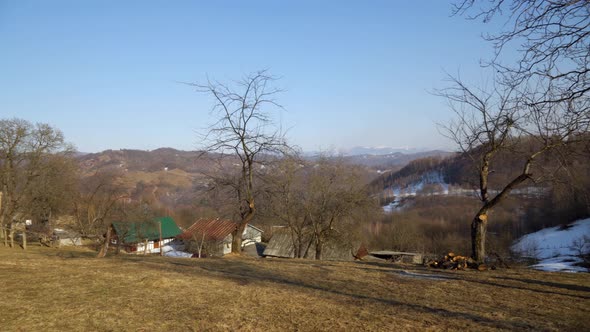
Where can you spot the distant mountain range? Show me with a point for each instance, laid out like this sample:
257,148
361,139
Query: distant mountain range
392,161
378,158
372,151
173,179
381,150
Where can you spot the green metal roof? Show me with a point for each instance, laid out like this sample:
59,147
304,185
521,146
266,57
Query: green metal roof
133,232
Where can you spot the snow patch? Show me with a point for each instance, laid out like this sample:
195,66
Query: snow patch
557,248
175,251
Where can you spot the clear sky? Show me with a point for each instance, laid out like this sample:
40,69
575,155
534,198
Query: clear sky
356,73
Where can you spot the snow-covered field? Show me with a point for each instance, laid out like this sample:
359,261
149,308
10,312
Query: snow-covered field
557,248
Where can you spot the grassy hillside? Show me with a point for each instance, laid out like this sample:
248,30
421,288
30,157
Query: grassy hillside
57,289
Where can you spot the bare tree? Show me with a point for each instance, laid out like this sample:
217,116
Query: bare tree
285,196
334,202
24,152
544,96
98,198
245,130
51,193
552,39
321,202
488,123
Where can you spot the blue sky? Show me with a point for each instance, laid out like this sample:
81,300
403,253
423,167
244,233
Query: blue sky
355,73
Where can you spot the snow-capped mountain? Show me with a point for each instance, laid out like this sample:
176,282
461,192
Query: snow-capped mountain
380,150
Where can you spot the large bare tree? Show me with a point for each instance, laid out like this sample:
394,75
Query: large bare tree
50,194
542,97
285,191
501,120
99,196
25,149
245,130
335,202
321,202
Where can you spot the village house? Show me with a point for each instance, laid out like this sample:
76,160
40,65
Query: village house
144,237
214,236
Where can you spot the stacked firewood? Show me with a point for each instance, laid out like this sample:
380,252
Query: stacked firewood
457,262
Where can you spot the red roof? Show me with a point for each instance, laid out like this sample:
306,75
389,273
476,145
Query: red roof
214,229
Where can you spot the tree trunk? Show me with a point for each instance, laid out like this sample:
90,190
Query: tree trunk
318,250
11,234
306,253
118,250
478,237
105,246
299,247
201,244
236,242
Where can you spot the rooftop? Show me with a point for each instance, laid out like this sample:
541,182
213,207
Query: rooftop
133,232
213,229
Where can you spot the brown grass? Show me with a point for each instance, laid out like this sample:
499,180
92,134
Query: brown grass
58,289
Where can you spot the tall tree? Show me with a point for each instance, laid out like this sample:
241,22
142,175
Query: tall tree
286,187
543,96
488,123
99,196
321,202
24,152
335,203
245,130
51,193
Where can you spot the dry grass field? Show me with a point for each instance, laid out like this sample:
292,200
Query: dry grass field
48,289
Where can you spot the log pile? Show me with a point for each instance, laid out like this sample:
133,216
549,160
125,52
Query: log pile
457,262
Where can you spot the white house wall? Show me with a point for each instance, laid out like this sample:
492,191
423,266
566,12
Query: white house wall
150,246
250,236
227,244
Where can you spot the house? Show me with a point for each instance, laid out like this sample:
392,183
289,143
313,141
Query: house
251,235
144,237
214,236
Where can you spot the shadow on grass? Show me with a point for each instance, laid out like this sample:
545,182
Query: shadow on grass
549,284
467,278
56,252
502,285
244,273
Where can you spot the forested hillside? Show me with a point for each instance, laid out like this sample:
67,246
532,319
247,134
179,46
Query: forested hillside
429,202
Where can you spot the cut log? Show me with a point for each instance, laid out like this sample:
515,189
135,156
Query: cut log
453,261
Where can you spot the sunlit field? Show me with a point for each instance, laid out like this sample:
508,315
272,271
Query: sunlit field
66,289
